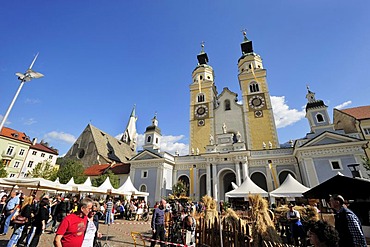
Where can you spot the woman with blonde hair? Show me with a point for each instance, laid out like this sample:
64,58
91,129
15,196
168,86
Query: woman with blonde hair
20,223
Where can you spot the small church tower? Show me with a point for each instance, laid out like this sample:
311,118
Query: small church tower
130,135
152,136
317,114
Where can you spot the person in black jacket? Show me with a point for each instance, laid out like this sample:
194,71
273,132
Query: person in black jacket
39,223
18,227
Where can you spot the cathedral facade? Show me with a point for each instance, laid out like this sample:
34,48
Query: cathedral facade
229,141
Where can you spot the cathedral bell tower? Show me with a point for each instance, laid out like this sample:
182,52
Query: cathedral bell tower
259,118
202,101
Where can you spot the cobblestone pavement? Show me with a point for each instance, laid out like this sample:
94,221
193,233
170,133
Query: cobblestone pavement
119,234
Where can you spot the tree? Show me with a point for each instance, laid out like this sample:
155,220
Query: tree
70,168
3,173
180,188
44,170
113,179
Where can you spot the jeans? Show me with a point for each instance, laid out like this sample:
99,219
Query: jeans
7,221
15,236
108,217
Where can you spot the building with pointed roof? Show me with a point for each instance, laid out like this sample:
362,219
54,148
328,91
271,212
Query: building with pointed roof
354,121
95,146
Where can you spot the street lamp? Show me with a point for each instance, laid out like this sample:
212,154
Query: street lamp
354,171
27,76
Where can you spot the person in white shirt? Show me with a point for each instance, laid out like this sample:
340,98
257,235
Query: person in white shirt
92,227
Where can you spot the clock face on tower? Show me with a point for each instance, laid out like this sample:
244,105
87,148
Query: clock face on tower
257,101
201,111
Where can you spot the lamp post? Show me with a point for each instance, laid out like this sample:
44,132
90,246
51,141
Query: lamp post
353,168
26,77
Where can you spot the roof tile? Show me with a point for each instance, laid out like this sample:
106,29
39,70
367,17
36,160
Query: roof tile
361,112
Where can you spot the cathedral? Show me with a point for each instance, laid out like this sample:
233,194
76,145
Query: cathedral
229,140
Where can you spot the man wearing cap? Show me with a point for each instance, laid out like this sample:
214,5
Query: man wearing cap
347,224
296,228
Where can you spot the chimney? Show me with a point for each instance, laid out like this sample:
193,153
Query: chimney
34,141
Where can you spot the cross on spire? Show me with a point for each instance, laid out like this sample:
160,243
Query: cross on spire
202,47
244,32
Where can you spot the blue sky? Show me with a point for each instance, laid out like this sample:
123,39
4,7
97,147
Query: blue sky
102,57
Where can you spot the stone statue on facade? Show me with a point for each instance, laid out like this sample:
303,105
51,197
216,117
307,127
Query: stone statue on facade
211,139
224,128
270,145
238,137
263,145
197,151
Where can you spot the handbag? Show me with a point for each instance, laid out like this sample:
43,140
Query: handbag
20,220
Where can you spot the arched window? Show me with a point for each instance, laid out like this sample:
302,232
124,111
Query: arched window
143,188
320,118
149,139
254,87
201,97
227,105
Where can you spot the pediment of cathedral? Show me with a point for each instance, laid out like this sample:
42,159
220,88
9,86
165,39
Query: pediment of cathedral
328,138
146,155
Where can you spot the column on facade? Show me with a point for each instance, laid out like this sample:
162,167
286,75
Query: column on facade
215,182
269,179
208,180
132,174
237,172
159,184
310,171
174,176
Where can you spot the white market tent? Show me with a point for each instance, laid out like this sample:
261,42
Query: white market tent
246,188
87,182
289,188
108,188
37,183
128,186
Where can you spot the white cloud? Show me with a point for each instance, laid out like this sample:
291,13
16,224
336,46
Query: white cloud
344,104
60,136
169,144
283,115
32,101
29,121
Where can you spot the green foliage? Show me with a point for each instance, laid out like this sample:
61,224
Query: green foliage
44,170
70,168
3,173
113,179
180,189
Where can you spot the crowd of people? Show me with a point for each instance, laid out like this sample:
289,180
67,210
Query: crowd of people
75,221
347,231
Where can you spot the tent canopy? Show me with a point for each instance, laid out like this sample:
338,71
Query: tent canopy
246,188
128,186
40,183
349,188
289,188
108,188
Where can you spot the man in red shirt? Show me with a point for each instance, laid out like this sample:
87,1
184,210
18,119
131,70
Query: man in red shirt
71,230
